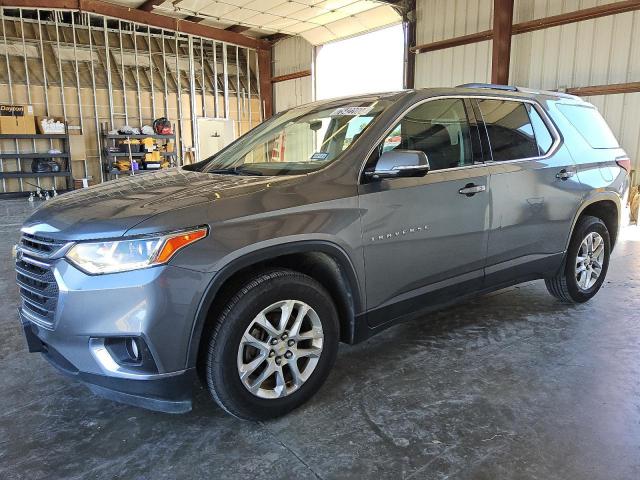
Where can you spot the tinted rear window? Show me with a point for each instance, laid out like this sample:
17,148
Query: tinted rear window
590,124
509,128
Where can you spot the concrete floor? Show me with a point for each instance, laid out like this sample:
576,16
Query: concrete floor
512,385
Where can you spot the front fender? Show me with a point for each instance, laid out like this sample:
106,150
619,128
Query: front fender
262,252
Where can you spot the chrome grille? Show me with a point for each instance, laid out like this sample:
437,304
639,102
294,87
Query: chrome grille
35,278
40,246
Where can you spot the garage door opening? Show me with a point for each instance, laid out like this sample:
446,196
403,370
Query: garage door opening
372,62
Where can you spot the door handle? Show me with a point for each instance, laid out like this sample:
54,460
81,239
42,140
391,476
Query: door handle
564,174
470,189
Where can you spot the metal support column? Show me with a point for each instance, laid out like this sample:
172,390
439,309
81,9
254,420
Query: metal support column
95,98
249,87
179,93
77,70
107,66
6,56
258,87
225,83
216,105
26,70
501,53
137,73
192,93
153,91
123,75
239,108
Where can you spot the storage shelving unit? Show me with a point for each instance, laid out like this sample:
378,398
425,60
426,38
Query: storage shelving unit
109,158
23,173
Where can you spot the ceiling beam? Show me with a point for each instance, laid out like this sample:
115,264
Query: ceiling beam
454,42
237,28
148,5
616,88
577,16
146,18
291,76
276,37
501,51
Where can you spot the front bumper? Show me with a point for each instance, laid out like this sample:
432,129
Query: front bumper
87,315
170,393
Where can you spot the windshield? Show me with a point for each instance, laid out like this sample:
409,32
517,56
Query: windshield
301,140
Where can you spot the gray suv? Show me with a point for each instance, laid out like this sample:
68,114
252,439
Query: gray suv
327,223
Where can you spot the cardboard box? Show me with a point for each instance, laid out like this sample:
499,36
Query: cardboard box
17,120
38,122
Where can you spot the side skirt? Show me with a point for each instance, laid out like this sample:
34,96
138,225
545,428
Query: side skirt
496,279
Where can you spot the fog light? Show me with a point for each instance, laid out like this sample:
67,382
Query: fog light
123,355
132,349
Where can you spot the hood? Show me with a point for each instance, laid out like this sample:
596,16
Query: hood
112,208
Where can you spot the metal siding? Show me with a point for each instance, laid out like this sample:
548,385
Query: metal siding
594,52
292,93
293,54
453,66
442,19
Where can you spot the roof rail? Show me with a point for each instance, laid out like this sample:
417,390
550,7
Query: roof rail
492,86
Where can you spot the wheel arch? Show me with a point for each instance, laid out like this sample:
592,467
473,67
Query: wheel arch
324,261
607,207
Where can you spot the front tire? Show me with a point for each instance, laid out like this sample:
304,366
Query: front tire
273,345
586,263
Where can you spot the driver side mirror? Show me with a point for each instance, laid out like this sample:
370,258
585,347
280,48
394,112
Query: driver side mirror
400,163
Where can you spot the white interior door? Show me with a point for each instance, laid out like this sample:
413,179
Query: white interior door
213,135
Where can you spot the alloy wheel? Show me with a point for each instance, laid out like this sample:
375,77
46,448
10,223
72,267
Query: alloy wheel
280,349
589,261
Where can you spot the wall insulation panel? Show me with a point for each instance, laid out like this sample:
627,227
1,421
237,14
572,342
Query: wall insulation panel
99,74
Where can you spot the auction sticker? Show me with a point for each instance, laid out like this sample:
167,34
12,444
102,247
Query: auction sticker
319,156
350,111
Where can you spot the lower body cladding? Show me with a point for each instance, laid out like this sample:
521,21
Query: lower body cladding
125,335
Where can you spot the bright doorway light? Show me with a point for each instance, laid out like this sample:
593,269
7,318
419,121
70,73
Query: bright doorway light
368,63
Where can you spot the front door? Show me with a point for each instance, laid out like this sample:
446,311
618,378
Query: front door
425,239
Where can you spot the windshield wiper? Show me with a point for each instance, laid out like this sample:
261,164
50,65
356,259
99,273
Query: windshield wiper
236,171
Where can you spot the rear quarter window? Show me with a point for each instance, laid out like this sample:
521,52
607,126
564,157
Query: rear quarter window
590,124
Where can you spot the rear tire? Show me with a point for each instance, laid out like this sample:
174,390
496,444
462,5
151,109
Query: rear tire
586,262
273,345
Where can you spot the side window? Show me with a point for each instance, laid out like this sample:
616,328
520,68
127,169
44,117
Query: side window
588,121
510,130
439,128
543,136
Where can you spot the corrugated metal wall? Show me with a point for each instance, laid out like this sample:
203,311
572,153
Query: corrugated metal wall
594,52
442,19
291,55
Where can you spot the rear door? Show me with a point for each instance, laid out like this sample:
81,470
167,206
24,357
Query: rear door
424,240
534,190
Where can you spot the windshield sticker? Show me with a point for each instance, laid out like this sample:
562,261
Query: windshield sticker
319,156
350,111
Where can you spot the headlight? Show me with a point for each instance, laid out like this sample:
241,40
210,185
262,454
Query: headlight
132,254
